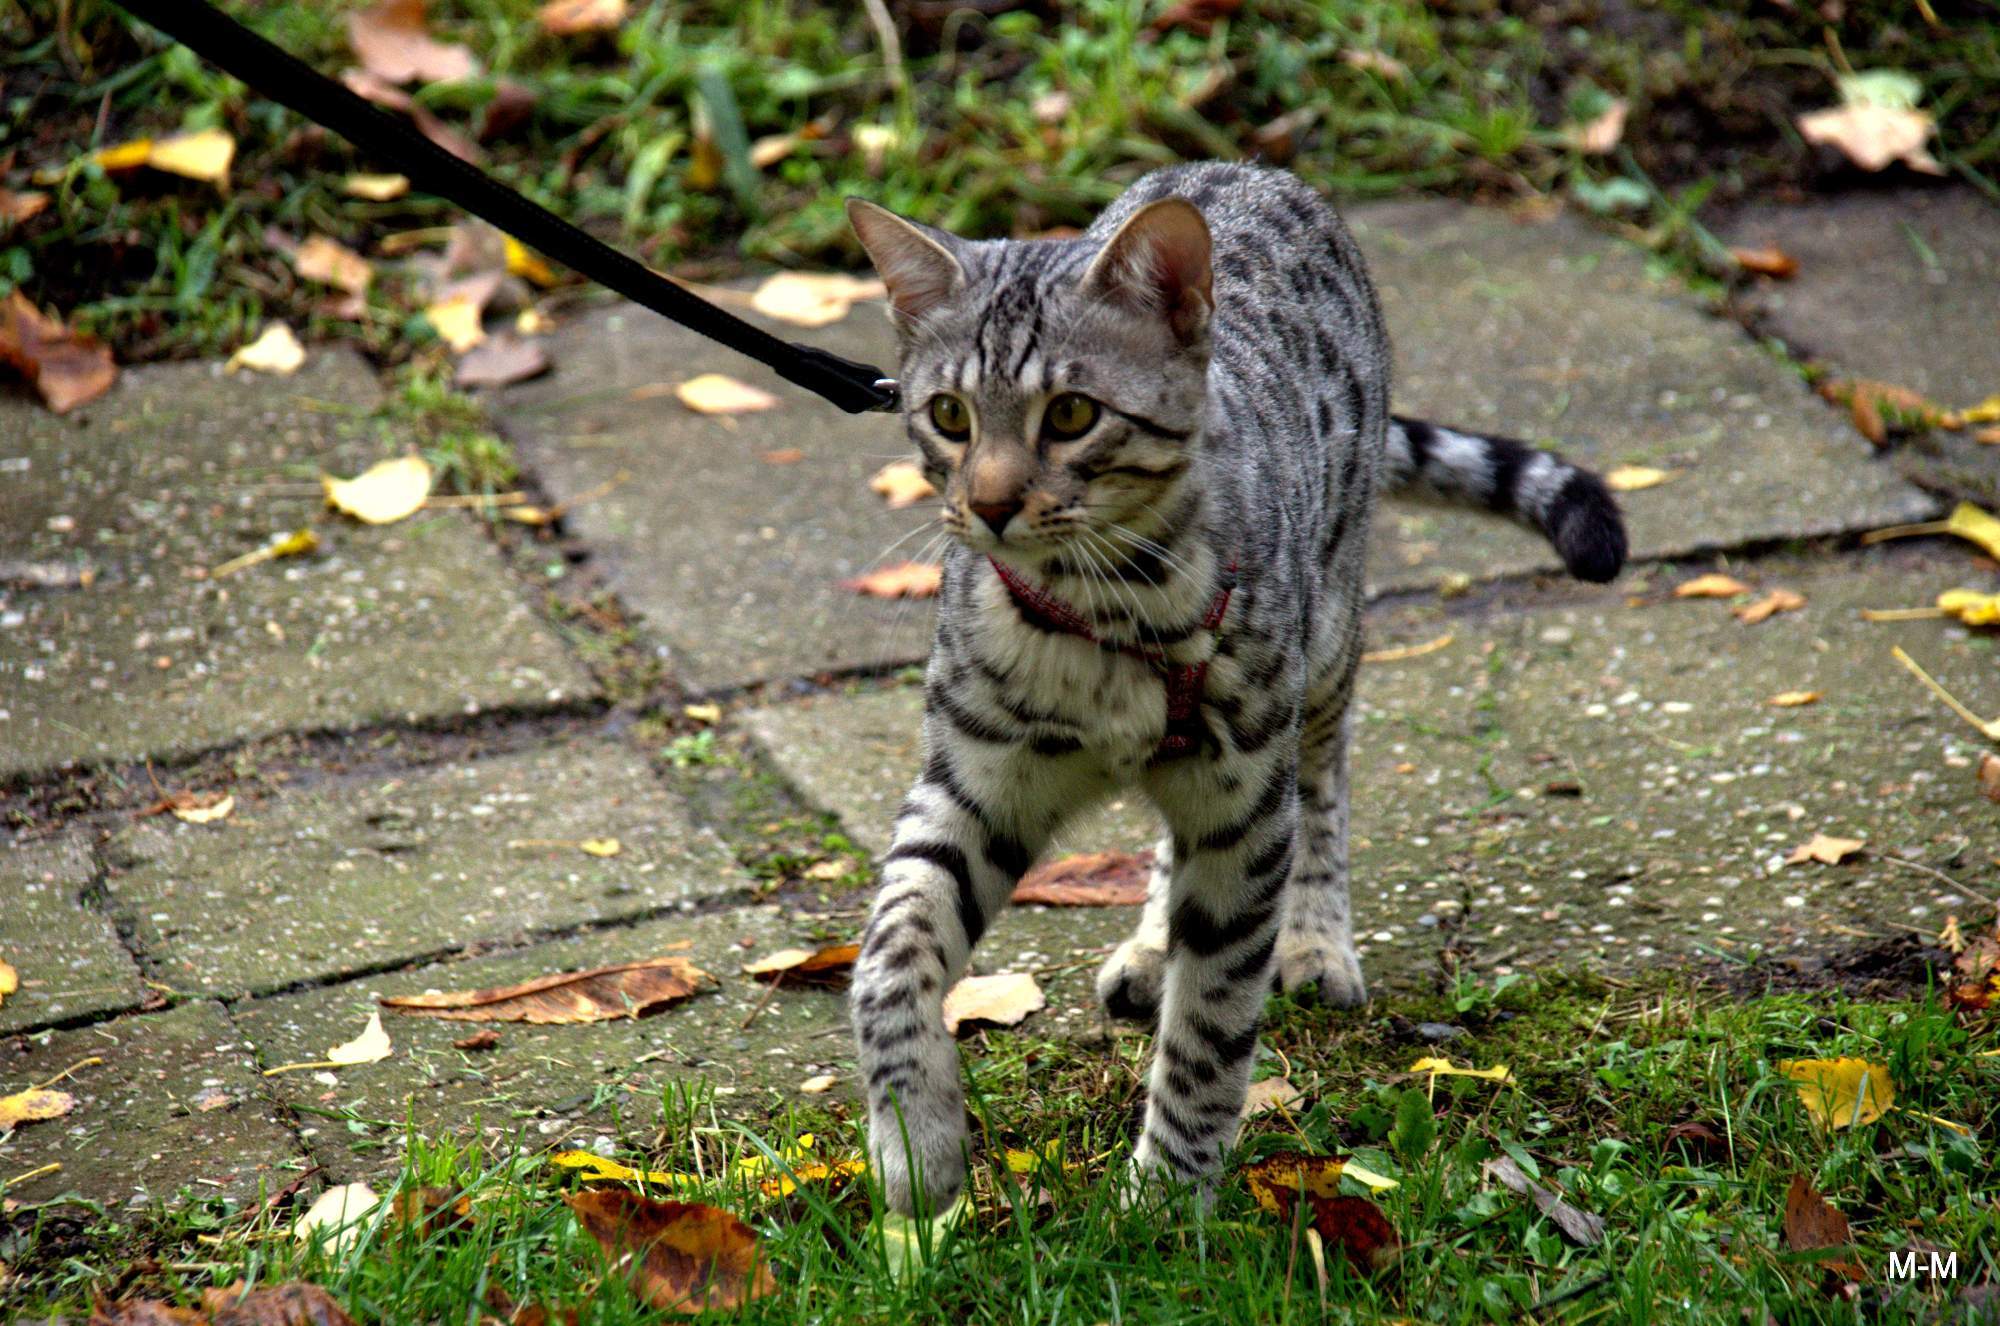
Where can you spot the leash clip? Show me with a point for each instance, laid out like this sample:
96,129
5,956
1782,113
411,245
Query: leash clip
892,397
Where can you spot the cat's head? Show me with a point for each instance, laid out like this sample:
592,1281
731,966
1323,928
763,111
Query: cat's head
1054,388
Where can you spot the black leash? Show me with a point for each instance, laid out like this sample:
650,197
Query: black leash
288,80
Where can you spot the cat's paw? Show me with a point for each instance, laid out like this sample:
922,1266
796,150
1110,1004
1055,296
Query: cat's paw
1128,985
1321,969
923,1178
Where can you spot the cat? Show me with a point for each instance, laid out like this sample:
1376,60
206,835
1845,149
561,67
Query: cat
1157,446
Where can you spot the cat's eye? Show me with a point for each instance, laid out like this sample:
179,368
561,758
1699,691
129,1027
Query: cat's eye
1069,416
951,416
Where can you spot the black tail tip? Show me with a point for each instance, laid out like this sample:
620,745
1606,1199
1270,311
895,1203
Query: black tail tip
1589,532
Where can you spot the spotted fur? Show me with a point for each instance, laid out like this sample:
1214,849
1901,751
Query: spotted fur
1221,319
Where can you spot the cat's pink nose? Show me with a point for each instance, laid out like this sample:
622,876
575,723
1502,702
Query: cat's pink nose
996,514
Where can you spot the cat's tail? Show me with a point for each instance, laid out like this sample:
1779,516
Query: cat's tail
1569,505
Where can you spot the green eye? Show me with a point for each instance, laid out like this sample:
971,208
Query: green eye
1069,415
951,417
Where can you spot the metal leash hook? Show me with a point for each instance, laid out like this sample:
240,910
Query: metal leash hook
892,396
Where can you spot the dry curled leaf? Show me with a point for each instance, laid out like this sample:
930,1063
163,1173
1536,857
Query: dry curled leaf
818,1084
1794,699
808,299
716,393
375,188
336,1215
331,262
1088,879
1839,1093
19,208
203,809
565,18
904,580
832,965
1812,1223
1714,585
593,1168
456,321
292,1304
386,492
1581,1227
1700,1140
1826,850
1989,776
33,1106
10,980
681,1256
275,351
391,42
1271,1093
1634,478
1600,134
432,1211
204,155
901,483
371,1046
66,367
1880,408
1773,603
1873,137
478,1040
630,989
1773,262
1002,1001
1970,606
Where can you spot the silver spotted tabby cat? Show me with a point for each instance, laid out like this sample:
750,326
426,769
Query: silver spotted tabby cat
1158,447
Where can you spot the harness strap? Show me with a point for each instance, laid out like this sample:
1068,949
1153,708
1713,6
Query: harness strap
290,81
1184,681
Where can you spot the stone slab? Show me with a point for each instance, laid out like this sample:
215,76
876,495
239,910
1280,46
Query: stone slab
359,872
173,1112
734,562
1556,334
1690,786
180,468
66,953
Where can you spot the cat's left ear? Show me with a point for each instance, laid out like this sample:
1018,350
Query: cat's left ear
1158,262
912,260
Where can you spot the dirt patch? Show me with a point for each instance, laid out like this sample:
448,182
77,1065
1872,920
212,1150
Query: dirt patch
1900,968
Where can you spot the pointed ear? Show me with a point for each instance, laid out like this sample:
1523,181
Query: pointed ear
1158,263
912,260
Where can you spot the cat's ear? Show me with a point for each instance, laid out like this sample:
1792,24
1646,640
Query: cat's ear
1158,262
912,260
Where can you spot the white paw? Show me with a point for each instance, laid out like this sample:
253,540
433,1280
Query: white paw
918,1163
1128,985
1328,964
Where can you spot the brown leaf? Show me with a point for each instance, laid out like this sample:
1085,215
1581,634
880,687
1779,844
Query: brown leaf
1272,1093
1878,408
67,367
1088,879
479,1040
901,483
1989,776
144,1312
432,1210
1700,1140
323,259
1773,262
500,359
682,1256
1711,586
716,393
1357,1227
564,18
904,580
1275,1180
832,965
783,456
629,989
1795,699
1812,1222
294,1304
1600,135
391,43
1196,16
1777,601
16,208
1580,1226
1002,1000
1825,850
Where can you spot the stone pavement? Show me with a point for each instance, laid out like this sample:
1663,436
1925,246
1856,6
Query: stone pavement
1587,775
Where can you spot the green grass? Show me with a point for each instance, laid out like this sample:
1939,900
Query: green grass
1603,1070
1005,124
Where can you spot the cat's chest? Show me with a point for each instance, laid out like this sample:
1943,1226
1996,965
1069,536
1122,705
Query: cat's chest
1110,703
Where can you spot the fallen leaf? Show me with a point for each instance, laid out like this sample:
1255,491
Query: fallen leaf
501,360
904,580
1711,586
1374,62
1632,478
205,810
1497,1073
1403,653
630,989
329,261
66,367
276,351
682,1256
1358,1229
1812,1223
390,40
1776,601
371,1046
144,1312
565,18
593,1168
1970,606
715,393
709,714
783,456
1772,262
1196,16
1825,850
1600,134
432,1210
832,965
1581,1227
296,544
203,156
1966,521
10,980
336,1216
808,299
826,870
1989,776
524,262
829,1173
386,492
818,1084
1986,412
123,156
1987,436
294,1304
901,483
20,208
479,1040
376,188
1088,879
1878,408
456,321
1699,1138
600,847
1794,699
1872,137
1002,1000
1839,1093
33,1106
1272,1093
1278,1177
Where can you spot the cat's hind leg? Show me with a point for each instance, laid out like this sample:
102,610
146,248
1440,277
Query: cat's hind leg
1128,985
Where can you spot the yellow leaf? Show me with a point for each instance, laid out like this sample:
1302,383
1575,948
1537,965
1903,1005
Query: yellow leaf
1021,1161
1793,699
276,351
1497,1073
1632,478
810,299
10,980
713,393
1986,412
1367,1177
1711,586
1777,601
371,1046
703,713
1966,521
201,156
1825,850
329,261
1971,607
591,1168
456,321
524,262
33,1106
208,814
904,580
601,846
376,188
125,156
900,483
384,493
783,1184
818,1084
1841,1092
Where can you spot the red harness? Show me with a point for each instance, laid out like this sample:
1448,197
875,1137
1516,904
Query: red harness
1183,680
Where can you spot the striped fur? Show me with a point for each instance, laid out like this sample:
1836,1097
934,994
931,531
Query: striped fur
1220,319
